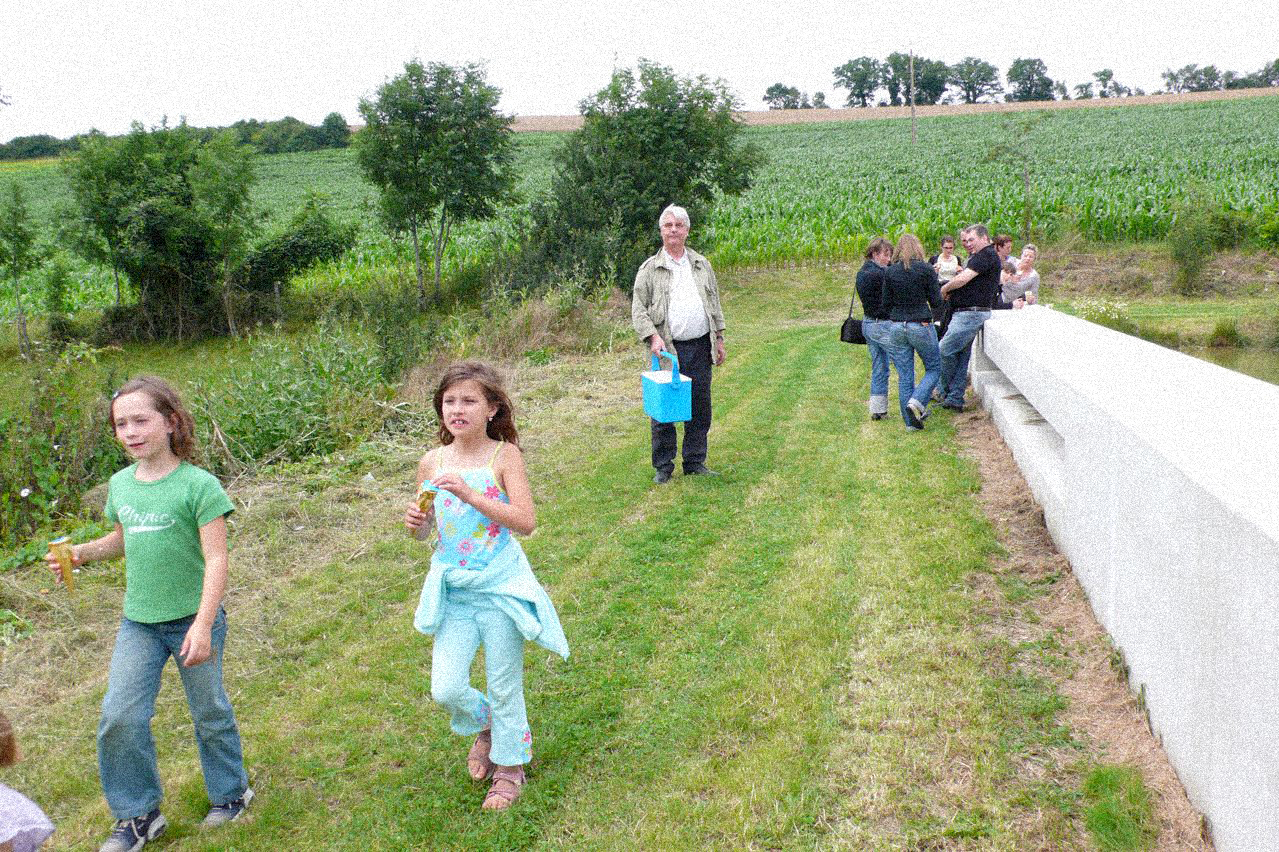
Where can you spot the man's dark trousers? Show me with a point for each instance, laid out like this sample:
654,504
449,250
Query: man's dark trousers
694,362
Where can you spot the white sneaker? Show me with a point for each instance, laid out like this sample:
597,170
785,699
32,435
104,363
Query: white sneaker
222,814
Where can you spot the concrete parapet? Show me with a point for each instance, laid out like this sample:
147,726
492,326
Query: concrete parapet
1158,475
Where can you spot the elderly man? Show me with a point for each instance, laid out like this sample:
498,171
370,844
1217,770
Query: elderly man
971,293
675,304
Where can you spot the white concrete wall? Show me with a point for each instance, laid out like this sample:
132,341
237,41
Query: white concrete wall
1158,474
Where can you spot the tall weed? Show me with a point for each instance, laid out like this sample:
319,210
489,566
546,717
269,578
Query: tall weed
292,397
52,449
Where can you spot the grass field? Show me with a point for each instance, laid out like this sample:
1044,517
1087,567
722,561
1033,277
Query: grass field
1106,174
792,655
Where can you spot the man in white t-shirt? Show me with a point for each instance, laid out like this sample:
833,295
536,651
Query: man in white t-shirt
675,303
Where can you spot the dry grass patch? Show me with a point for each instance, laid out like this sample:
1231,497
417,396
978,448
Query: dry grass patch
1055,612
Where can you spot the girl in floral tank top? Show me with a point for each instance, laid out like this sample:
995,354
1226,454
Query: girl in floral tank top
480,590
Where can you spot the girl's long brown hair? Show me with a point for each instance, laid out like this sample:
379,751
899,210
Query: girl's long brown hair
169,405
502,426
8,743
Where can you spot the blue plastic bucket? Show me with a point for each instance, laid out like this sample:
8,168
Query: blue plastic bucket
668,396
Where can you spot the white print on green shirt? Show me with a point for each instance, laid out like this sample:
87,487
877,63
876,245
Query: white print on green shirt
142,522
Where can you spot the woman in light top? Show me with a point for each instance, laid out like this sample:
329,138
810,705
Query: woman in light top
1022,287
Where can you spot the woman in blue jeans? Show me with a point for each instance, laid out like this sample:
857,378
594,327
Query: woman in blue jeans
870,287
910,297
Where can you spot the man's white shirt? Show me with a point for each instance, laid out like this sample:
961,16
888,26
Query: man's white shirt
686,314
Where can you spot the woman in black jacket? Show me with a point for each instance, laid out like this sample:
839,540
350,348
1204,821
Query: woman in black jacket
910,297
870,288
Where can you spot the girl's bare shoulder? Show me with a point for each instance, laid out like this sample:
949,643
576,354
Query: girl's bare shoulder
429,463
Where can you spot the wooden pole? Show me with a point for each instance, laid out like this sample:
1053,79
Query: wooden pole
912,96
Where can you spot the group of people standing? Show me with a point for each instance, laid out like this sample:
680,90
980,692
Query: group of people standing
907,298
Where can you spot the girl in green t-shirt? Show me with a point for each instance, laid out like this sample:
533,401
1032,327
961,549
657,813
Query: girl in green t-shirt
170,526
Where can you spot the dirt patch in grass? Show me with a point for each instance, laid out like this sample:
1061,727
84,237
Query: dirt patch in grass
1101,709
565,123
1071,270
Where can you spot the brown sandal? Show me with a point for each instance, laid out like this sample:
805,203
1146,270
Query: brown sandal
508,781
478,765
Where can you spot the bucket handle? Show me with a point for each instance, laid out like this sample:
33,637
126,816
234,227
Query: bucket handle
674,365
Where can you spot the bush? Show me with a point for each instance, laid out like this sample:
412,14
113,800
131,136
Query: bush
57,281
311,237
401,332
1268,230
1230,228
1226,333
1190,240
52,449
291,398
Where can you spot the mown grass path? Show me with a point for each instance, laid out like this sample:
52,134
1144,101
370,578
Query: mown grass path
791,655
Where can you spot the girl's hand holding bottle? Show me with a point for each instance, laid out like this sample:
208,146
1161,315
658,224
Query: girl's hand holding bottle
418,520
51,560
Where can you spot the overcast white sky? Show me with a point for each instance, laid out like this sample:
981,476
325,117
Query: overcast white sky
70,65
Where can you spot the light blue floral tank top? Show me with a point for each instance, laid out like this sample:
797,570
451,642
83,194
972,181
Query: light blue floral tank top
465,537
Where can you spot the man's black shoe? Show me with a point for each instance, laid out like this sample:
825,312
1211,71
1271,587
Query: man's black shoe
662,477
952,406
699,470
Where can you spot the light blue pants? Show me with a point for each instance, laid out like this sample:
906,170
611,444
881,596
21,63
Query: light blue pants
126,749
465,628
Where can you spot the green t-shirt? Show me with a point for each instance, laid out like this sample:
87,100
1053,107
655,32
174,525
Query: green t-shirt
163,562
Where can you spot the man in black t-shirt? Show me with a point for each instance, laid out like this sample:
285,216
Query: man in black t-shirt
970,293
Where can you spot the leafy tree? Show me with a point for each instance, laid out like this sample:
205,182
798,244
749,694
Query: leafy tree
1028,81
1060,92
1083,91
896,78
438,150
648,139
17,252
151,200
1192,78
932,76
862,77
1108,86
220,182
819,101
334,131
1268,75
975,79
781,96
931,79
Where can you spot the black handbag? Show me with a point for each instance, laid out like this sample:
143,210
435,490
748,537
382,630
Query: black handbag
851,330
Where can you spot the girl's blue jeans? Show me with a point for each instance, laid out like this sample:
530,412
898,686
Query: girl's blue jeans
877,334
907,339
465,628
126,748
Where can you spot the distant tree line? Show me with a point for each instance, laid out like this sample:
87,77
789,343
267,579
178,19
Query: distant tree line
870,82
267,137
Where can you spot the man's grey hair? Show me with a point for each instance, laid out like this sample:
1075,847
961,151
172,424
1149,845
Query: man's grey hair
678,212
978,230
